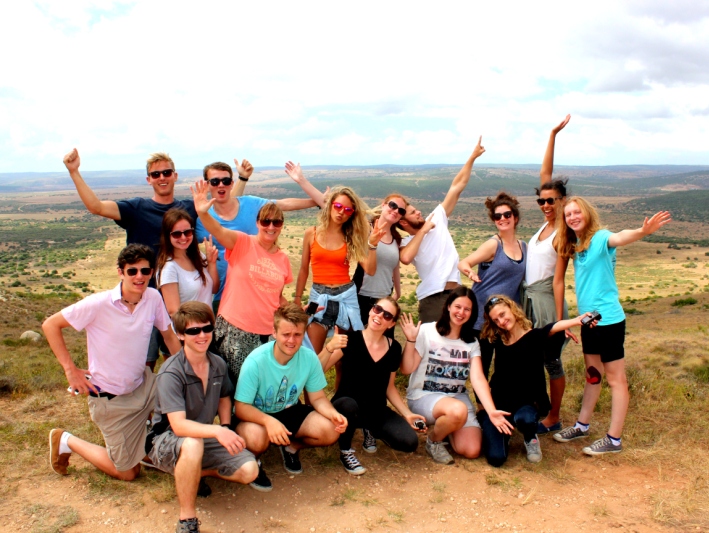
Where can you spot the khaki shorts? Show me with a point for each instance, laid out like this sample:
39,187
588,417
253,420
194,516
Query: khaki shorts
123,422
166,452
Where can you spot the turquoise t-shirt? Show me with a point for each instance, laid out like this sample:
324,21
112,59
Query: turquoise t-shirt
594,272
245,221
271,387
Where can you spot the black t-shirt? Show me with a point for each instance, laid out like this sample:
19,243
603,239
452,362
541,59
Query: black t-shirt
363,379
519,372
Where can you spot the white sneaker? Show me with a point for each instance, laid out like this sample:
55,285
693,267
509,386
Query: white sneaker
534,450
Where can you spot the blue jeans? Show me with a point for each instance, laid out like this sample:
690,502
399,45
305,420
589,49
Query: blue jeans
496,444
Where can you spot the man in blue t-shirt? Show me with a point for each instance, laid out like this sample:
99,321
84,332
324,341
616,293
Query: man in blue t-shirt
267,396
239,213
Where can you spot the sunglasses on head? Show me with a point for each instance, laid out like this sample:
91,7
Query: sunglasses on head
199,329
214,182
394,207
133,271
379,310
275,222
177,234
155,174
498,216
550,201
491,303
339,207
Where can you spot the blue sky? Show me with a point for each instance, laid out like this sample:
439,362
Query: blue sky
352,83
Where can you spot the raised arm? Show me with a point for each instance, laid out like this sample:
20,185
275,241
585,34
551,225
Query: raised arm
223,235
304,265
375,236
332,350
104,208
460,182
650,226
212,254
486,252
296,174
548,161
243,173
410,359
408,253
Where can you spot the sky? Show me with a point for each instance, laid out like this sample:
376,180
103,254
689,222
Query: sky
352,83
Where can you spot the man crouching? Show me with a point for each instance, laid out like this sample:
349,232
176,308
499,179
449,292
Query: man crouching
192,388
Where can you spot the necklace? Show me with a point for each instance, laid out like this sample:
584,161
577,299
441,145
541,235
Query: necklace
131,303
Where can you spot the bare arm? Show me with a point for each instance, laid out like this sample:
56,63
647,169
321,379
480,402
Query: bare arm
224,410
332,350
171,295
399,404
296,174
76,377
323,406
182,427
212,255
460,182
482,389
650,226
171,341
295,204
223,235
559,284
486,252
243,173
304,265
375,236
408,253
410,359
104,208
397,282
548,161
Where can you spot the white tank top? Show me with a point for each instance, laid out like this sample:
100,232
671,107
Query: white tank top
541,257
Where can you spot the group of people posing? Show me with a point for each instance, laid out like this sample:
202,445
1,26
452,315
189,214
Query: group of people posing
236,348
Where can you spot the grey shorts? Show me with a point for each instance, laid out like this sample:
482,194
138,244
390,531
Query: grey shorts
166,451
424,407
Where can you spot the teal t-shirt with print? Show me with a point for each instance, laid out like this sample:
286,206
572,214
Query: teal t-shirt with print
272,387
594,273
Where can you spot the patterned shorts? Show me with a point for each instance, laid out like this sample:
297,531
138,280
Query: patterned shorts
234,345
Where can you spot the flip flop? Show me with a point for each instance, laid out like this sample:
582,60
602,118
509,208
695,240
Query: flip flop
542,429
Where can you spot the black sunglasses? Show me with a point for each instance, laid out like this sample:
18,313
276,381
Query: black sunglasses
550,201
498,216
177,234
491,303
379,310
155,174
394,207
133,271
276,222
214,182
197,330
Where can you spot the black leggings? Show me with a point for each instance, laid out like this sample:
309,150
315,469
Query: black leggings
384,424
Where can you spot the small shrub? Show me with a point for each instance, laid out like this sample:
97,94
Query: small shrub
683,302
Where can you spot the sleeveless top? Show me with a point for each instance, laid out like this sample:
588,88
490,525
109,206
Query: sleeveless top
541,257
502,275
330,267
382,282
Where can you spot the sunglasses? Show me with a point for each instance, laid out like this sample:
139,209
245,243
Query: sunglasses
498,216
550,201
133,271
275,222
197,330
379,310
177,234
392,205
339,207
155,174
491,303
214,182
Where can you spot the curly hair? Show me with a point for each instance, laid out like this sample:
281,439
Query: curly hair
491,331
167,250
558,185
568,242
501,199
443,326
355,229
133,253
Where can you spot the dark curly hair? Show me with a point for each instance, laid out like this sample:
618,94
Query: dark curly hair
501,199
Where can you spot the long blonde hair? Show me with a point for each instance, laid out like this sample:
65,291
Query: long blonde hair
355,230
490,331
568,243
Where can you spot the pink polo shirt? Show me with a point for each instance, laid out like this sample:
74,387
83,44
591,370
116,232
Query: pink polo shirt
117,340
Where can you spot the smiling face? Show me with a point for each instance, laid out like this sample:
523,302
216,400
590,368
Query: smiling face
222,193
502,316
460,311
196,343
181,242
574,217
377,322
392,215
163,186
505,224
550,210
289,337
134,286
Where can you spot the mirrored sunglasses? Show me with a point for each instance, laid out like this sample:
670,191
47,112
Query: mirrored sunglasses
339,207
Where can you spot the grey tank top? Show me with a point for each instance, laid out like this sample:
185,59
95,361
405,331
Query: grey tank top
502,275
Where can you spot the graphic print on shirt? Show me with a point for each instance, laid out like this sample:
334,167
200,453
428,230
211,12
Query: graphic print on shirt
447,369
279,401
263,272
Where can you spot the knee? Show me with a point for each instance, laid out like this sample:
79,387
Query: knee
347,407
129,475
255,436
471,450
246,473
616,381
496,460
408,443
458,414
192,449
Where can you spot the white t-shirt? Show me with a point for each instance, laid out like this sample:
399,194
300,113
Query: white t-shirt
189,284
541,257
445,364
437,259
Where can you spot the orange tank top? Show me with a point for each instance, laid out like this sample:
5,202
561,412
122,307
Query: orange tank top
330,267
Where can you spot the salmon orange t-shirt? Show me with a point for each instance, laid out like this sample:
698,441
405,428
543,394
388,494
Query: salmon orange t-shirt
254,282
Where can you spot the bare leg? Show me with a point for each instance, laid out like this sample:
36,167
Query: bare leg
591,392
246,474
467,441
450,415
256,437
98,456
188,472
315,431
317,334
618,382
556,393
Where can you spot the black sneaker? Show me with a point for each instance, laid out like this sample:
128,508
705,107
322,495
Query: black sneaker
351,463
369,444
191,525
204,490
291,461
261,483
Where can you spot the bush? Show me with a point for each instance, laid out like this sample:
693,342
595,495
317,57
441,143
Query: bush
683,302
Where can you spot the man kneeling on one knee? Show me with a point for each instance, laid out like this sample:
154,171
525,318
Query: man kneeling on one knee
271,381
192,388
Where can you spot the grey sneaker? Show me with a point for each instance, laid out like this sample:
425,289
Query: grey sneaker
369,444
601,446
534,450
351,463
438,452
191,525
569,434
